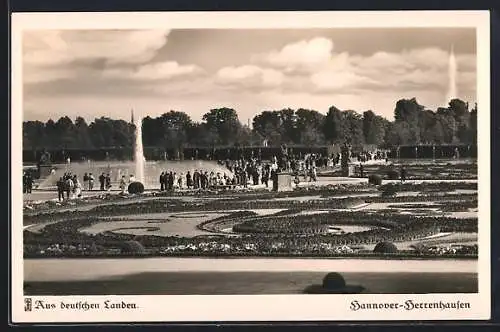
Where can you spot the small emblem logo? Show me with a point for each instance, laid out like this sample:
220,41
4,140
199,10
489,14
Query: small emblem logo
27,304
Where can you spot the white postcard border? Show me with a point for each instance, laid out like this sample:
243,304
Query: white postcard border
254,307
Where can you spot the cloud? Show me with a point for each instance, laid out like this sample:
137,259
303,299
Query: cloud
314,65
126,68
99,56
154,71
249,76
302,55
340,80
44,75
57,47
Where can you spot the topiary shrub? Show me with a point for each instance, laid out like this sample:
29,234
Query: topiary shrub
389,190
392,174
385,248
135,188
133,247
375,179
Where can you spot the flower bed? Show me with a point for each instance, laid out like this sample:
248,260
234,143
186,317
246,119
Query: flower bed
397,228
446,206
423,171
402,255
431,186
422,198
179,206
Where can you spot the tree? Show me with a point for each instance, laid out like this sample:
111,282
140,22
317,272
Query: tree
460,112
334,126
82,134
427,122
374,128
288,123
458,108
309,125
152,132
449,127
122,134
51,134
175,127
65,133
106,132
353,124
399,134
277,126
268,124
34,135
408,111
248,137
413,124
223,121
473,125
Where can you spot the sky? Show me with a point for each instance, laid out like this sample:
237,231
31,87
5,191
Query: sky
94,73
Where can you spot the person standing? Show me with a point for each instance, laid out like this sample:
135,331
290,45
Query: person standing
162,181
189,180
170,181
179,181
108,182
69,187
265,175
102,179
244,178
24,182
204,180
403,174
91,182
60,189
196,178
85,180
29,183
78,187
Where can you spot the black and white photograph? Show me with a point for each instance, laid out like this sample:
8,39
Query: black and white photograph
327,166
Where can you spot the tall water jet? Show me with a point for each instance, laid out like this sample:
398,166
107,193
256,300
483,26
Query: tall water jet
452,76
138,150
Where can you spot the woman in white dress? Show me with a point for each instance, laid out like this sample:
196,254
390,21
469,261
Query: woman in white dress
78,188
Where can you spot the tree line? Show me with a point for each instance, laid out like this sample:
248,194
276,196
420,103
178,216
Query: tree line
413,124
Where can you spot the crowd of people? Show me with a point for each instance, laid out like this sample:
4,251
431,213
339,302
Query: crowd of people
70,185
199,179
243,172
255,171
239,173
365,156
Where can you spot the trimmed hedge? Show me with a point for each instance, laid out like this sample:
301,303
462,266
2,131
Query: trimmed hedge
135,188
389,191
375,179
385,248
392,175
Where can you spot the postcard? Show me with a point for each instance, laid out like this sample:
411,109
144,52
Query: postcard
250,166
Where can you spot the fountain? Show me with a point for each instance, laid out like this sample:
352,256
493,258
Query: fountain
139,158
452,76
